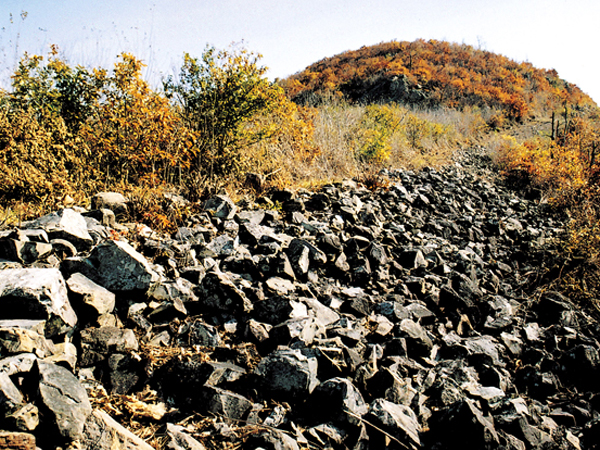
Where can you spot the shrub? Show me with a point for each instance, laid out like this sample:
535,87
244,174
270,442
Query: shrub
220,98
134,135
38,157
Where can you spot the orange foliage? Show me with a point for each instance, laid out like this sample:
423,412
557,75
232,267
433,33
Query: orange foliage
454,75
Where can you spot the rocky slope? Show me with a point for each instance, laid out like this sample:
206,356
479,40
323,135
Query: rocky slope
343,319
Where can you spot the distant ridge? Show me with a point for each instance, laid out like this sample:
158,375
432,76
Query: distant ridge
435,73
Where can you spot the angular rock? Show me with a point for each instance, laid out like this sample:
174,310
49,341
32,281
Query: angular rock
102,432
178,439
103,216
581,366
464,424
203,334
89,298
274,439
224,403
10,396
338,400
257,331
63,248
64,224
302,329
301,254
412,259
287,374
221,207
278,309
324,315
175,293
65,354
98,343
218,292
117,266
417,339
64,398
37,294
21,363
25,418
113,201
485,346
398,420
24,251
280,285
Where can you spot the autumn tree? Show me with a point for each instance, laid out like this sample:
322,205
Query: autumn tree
219,95
134,134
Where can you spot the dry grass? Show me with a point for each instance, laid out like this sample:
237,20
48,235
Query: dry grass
336,125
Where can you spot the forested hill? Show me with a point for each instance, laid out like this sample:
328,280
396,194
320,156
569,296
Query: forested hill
435,73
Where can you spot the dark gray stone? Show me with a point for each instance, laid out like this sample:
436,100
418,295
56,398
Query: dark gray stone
398,420
224,403
221,207
203,334
119,267
338,400
98,343
64,398
218,292
24,251
287,374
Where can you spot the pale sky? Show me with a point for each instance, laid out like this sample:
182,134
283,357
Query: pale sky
559,34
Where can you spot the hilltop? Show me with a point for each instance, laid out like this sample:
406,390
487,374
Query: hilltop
436,73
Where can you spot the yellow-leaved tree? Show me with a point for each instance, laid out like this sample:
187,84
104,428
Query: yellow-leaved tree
223,99
135,136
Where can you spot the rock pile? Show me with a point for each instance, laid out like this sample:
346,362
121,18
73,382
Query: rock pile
343,319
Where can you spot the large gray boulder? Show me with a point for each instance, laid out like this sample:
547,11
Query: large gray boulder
65,400
113,201
119,267
64,224
37,294
88,297
220,206
398,420
288,374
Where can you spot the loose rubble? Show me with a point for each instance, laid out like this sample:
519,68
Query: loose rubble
345,319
